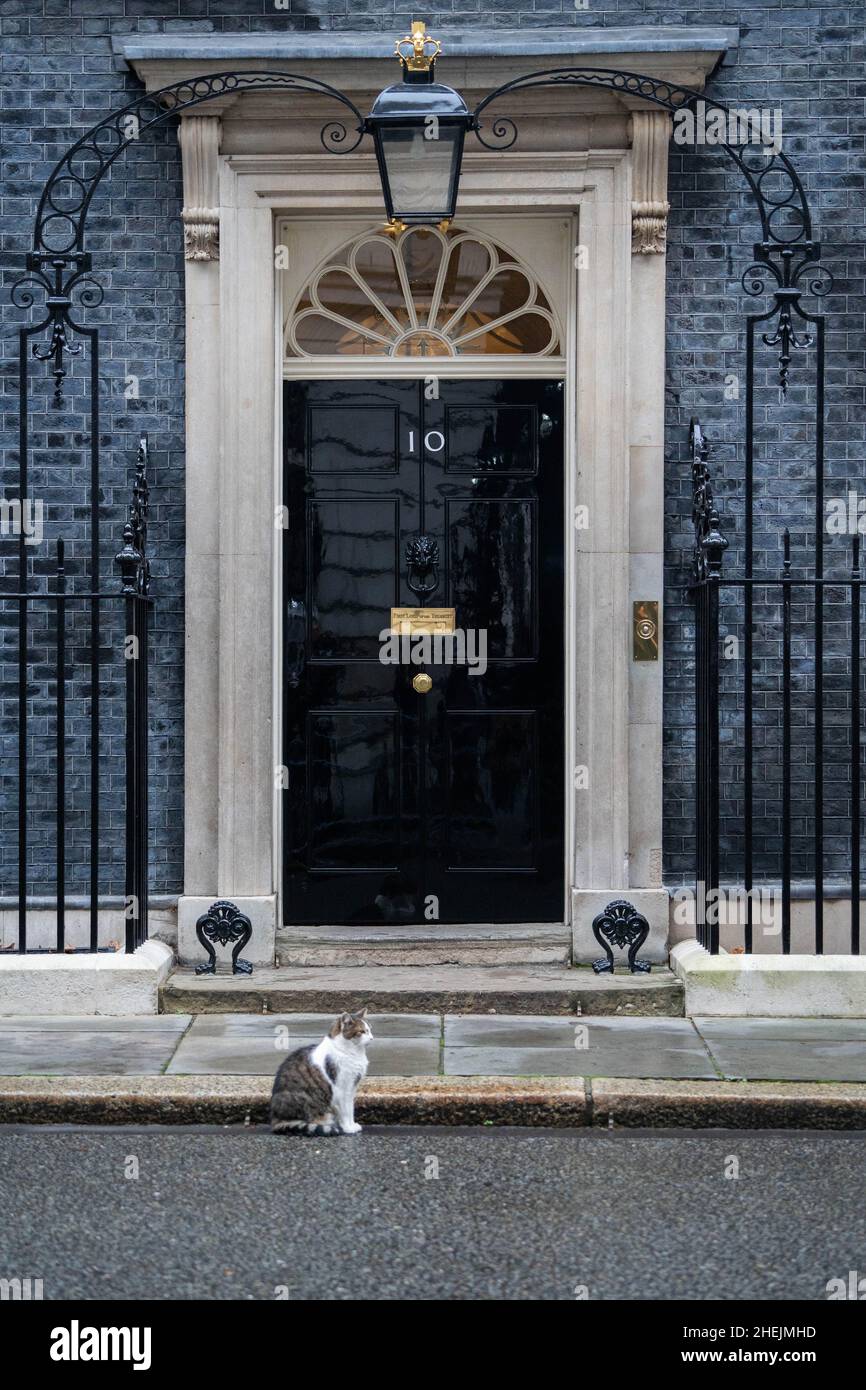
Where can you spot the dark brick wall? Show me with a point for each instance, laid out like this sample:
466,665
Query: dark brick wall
58,78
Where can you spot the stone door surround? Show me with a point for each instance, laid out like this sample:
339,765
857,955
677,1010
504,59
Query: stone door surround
599,156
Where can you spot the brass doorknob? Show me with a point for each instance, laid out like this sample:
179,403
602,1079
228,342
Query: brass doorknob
422,683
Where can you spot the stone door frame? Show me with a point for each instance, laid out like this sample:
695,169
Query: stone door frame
246,162
234,370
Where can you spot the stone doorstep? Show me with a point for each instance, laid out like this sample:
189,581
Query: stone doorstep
110,983
539,1102
303,954
770,986
508,944
447,989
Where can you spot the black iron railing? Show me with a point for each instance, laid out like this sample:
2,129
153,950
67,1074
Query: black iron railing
134,564
66,773
771,771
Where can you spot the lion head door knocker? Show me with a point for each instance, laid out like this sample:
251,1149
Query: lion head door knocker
422,565
225,924
620,925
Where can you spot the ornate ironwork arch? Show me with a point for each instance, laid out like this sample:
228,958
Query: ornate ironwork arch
74,187
787,251
59,265
674,99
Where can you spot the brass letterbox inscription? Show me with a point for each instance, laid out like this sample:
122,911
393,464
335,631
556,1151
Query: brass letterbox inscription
425,621
645,630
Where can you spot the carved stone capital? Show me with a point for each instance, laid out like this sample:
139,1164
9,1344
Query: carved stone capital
650,136
199,143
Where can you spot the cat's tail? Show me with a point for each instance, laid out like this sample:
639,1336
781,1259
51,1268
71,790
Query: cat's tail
314,1128
287,1126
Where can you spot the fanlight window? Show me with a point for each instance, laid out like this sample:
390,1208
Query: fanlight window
425,293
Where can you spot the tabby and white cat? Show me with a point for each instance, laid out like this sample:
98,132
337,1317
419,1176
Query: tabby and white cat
314,1089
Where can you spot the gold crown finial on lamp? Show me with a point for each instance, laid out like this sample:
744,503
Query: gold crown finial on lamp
418,51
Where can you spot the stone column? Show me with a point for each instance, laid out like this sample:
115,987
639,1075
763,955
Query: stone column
601,593
199,143
650,132
638,878
216,854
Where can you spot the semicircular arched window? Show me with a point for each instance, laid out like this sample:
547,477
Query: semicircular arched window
424,293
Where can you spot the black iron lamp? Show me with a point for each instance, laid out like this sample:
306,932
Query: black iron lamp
418,127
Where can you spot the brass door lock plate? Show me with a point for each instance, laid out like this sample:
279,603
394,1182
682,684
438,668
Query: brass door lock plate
645,630
422,683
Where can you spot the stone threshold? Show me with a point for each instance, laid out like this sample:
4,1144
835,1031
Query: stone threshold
439,989
424,932
537,1102
433,943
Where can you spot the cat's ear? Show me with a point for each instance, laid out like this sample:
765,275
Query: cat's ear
362,1013
336,1027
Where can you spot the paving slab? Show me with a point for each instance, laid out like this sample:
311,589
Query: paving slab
787,1049
760,1060
238,1045
509,1030
74,1046
784,1029
765,1061
309,1026
669,1048
641,1047
512,1061
165,1024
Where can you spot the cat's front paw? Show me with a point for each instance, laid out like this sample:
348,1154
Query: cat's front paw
351,1128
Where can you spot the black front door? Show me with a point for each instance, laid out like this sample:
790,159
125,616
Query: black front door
403,806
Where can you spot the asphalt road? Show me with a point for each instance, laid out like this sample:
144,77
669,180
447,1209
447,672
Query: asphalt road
220,1214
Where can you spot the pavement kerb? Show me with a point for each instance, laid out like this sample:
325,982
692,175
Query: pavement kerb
537,1102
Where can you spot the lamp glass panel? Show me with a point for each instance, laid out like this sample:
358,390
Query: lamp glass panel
421,172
